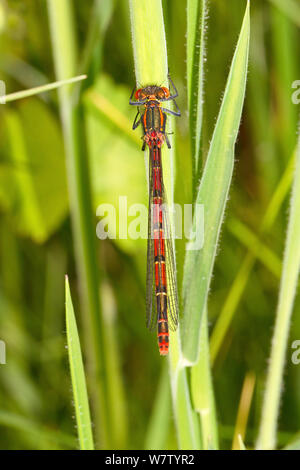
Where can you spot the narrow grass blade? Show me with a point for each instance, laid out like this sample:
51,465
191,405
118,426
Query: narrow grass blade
100,16
243,410
284,38
241,443
287,292
213,193
65,54
81,402
40,89
115,385
196,17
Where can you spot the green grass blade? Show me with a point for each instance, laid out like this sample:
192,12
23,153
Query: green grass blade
100,16
287,292
149,42
151,66
213,193
159,422
81,402
202,392
196,17
241,443
65,54
115,384
40,89
244,407
188,430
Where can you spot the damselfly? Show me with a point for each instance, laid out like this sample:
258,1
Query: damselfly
161,274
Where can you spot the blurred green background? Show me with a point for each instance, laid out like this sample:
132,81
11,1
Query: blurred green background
36,242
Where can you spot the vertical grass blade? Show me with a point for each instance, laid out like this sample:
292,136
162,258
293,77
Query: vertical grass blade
81,402
287,292
196,16
149,42
243,410
241,443
187,425
151,66
213,193
117,412
202,392
63,37
159,422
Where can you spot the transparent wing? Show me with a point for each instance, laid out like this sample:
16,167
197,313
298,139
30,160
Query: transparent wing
151,312
173,309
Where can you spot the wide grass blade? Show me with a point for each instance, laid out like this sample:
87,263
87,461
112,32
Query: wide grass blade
202,392
151,67
81,402
213,193
288,287
149,42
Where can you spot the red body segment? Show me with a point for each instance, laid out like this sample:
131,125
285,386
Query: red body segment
161,288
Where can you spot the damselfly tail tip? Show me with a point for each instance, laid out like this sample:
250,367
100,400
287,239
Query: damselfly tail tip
163,350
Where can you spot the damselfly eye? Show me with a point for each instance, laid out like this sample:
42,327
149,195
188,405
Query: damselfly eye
166,92
138,93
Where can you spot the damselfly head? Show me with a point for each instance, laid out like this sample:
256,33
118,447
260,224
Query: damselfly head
152,92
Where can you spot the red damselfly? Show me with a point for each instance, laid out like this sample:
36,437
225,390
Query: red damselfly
161,272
